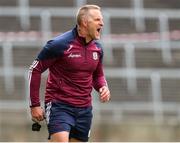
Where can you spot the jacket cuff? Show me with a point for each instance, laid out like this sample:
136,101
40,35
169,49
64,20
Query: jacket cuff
35,105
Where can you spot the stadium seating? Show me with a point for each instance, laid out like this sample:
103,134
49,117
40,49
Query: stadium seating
133,93
145,58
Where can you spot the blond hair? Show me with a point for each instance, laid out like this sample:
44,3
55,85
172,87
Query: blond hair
83,11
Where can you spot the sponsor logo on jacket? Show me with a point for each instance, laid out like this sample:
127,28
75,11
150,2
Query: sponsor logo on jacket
74,55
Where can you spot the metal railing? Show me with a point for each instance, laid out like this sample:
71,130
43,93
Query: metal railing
130,72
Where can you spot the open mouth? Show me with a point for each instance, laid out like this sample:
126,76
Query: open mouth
99,30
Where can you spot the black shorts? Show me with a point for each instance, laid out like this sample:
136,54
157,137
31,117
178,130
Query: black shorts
75,120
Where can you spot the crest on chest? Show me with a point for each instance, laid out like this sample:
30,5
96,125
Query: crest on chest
95,55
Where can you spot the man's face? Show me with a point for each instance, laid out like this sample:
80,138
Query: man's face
94,24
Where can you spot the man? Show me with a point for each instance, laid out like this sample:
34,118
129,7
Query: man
74,60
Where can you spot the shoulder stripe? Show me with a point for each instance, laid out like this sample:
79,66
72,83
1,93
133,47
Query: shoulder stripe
32,66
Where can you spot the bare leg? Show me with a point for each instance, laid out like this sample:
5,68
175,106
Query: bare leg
60,137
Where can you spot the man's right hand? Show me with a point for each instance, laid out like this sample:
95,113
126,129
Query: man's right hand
37,114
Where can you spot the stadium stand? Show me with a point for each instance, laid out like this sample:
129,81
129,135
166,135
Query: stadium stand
141,40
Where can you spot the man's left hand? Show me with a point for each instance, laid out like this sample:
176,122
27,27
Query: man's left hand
104,94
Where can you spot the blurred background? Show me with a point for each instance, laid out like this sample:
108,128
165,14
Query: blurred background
141,40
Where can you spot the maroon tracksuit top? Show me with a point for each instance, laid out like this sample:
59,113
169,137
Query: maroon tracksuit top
75,68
